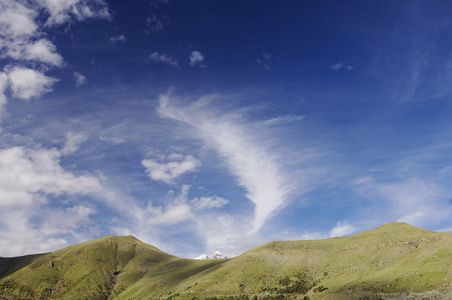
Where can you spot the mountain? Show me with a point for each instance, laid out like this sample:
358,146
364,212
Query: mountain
393,261
215,255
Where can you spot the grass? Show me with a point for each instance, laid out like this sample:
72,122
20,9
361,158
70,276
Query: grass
394,259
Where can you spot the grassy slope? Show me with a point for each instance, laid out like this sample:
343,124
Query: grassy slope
391,260
99,269
13,264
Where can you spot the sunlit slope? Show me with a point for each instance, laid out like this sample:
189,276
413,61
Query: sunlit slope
97,270
391,260
395,260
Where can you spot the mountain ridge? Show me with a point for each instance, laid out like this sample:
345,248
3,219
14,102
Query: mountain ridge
390,260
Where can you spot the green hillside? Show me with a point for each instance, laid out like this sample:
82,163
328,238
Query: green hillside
394,261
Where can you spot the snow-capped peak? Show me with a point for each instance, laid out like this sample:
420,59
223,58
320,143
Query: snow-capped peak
218,255
215,255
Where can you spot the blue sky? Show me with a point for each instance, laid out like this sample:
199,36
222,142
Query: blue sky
199,126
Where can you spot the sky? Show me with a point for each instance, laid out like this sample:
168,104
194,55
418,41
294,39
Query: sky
202,126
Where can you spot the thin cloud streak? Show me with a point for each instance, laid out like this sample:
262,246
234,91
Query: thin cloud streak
244,153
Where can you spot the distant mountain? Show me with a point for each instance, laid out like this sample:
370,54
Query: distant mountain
215,255
394,261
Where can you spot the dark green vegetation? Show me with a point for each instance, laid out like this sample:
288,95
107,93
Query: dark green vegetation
394,261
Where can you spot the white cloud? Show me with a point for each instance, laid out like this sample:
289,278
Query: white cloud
239,145
284,119
228,234
20,236
79,79
22,40
163,58
342,229
27,174
63,11
28,83
118,38
171,216
61,221
22,31
30,178
197,59
112,140
16,19
208,202
40,51
337,66
175,156
73,142
169,171
176,211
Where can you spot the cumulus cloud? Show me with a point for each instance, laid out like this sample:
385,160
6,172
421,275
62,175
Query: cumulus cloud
170,216
239,145
26,175
79,79
22,27
16,19
63,11
164,59
21,30
197,59
168,171
28,83
30,181
22,236
40,51
62,221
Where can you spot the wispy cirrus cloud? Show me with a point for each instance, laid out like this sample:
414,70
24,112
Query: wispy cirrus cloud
337,66
247,156
112,140
413,200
